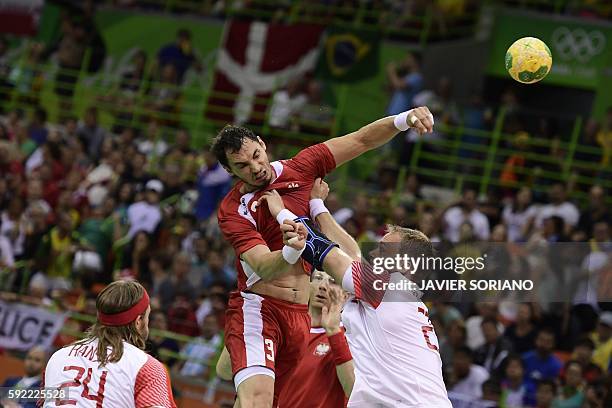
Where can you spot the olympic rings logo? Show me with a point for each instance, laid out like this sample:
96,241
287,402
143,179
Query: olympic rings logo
578,43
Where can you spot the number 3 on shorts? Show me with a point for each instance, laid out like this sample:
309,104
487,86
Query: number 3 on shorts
270,352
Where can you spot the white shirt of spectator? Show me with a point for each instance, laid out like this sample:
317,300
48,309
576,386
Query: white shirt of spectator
471,386
284,107
515,221
474,336
455,217
565,210
6,252
7,226
143,216
197,352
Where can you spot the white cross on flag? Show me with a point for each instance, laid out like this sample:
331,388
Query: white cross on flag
256,59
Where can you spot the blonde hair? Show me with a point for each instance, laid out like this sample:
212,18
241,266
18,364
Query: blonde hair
412,242
115,298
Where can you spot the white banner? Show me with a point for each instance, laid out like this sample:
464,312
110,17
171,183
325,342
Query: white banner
23,326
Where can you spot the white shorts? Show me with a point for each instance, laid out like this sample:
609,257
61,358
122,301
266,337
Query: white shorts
363,396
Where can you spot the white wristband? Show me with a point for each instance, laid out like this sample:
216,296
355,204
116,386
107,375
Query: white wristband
291,255
401,121
285,214
317,206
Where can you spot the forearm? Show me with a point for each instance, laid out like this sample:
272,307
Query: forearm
336,233
346,376
375,134
271,265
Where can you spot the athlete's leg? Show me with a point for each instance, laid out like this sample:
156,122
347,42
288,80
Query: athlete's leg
256,391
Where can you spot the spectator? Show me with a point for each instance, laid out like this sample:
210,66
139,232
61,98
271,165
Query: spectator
33,364
213,183
545,393
514,387
158,344
286,104
137,175
491,394
583,354
92,134
218,271
465,211
135,264
180,55
596,211
177,283
56,251
164,96
315,116
541,364
572,393
467,378
519,215
475,336
496,348
522,333
603,341
37,131
201,353
449,344
146,215
406,81
559,206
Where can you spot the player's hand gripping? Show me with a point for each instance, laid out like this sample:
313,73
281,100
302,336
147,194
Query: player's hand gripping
421,120
320,189
274,201
330,313
294,234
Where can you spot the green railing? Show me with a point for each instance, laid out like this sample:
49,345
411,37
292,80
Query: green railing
450,161
415,24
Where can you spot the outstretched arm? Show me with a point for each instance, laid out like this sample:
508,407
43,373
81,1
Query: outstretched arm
375,134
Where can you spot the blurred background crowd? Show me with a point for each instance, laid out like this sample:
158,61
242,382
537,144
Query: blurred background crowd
122,188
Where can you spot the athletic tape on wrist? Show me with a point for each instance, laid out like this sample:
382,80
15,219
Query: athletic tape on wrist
401,121
317,206
292,255
285,214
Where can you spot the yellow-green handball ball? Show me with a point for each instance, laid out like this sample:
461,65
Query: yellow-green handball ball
528,60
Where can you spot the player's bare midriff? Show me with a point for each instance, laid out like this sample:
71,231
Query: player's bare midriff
292,287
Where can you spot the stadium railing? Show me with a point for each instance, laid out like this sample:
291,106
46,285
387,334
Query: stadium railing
409,24
462,155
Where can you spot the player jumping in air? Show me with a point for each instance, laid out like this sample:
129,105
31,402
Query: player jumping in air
267,321
109,367
327,353
393,343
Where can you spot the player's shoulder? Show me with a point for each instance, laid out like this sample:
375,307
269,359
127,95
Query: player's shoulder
152,367
230,203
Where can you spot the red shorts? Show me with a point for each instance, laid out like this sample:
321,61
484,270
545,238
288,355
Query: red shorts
267,332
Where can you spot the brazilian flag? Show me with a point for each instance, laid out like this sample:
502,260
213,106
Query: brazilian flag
349,55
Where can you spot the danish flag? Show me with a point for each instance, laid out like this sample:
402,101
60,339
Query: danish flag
256,59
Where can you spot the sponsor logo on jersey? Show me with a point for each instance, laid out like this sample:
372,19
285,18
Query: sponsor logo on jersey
293,185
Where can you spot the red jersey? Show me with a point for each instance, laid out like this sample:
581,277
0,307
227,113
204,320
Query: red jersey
245,225
314,383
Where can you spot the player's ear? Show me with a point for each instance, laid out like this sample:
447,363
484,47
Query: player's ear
261,142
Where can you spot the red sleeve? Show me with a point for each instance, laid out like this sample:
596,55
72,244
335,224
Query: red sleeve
316,161
239,232
152,387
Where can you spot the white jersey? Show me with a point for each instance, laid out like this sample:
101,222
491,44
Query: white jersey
395,352
137,380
